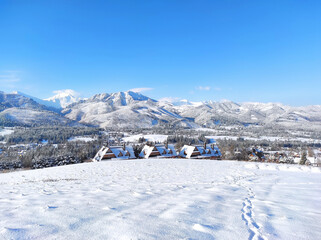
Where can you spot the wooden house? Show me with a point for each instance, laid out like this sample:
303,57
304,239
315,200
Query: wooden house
159,150
207,151
115,152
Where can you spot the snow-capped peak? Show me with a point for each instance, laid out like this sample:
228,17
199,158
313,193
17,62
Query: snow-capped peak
40,101
64,97
179,102
120,98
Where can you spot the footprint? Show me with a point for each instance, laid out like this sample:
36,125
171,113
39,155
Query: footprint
52,207
247,216
201,228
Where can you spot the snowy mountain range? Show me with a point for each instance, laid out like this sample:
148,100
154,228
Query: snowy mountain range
123,109
134,110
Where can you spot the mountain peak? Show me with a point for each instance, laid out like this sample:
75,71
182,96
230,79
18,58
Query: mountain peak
40,101
137,96
64,97
120,98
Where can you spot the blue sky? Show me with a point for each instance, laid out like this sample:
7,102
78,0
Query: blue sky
267,51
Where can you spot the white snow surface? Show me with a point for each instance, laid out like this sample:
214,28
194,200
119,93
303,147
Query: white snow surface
82,139
269,138
6,131
162,199
63,98
149,137
47,103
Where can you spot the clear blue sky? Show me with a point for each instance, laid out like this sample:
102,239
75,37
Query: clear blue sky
268,51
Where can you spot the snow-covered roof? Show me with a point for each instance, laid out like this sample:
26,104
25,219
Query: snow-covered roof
208,151
158,150
187,151
116,152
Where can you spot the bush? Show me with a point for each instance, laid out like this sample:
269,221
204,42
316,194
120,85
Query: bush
26,160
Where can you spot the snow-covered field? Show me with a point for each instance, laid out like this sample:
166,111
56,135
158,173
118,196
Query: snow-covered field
82,139
162,199
6,131
151,137
290,139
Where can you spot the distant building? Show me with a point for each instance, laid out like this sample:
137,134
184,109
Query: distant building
278,156
208,151
159,150
317,155
315,160
296,158
256,154
115,152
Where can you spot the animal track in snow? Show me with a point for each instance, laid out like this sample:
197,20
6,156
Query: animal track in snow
247,216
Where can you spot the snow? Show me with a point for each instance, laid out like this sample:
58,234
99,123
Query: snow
180,102
83,139
164,151
204,152
6,131
123,109
30,116
162,199
63,98
40,101
149,137
222,137
268,138
202,129
120,152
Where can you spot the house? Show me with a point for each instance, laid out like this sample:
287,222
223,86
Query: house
207,151
315,160
159,150
296,158
317,155
277,157
116,152
253,157
256,154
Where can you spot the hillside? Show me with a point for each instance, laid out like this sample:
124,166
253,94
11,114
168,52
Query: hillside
18,109
16,100
162,199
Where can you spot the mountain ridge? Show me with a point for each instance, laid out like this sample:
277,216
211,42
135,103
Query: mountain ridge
133,110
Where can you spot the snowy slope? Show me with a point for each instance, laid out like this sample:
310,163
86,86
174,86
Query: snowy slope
49,104
63,98
22,116
6,131
21,109
162,199
149,137
10,100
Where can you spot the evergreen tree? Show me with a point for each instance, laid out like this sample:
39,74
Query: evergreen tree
303,158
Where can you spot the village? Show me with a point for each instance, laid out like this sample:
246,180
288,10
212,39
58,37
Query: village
25,149
207,151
